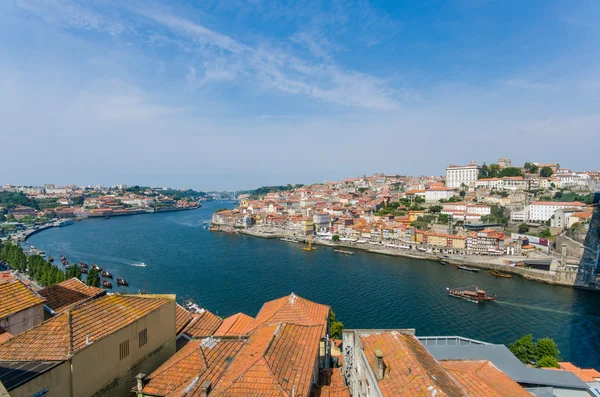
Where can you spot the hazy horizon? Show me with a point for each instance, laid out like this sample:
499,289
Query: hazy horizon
219,95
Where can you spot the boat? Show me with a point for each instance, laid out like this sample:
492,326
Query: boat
83,265
107,274
67,267
83,270
476,296
344,252
96,267
499,274
289,240
443,263
467,268
122,281
106,284
141,264
62,258
107,217
50,259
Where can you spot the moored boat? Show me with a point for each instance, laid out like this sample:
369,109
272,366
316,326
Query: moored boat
476,296
107,274
106,284
467,268
499,274
83,270
443,263
96,267
122,281
50,259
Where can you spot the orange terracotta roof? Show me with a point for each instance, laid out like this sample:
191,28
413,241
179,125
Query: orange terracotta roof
275,361
195,360
203,324
55,339
68,293
182,318
234,325
483,379
4,335
15,297
410,369
582,215
331,384
290,309
586,375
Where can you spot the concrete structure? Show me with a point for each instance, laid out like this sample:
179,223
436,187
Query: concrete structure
435,194
457,175
95,348
322,221
542,211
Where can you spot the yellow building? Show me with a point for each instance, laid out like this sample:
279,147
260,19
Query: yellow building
308,226
94,348
415,214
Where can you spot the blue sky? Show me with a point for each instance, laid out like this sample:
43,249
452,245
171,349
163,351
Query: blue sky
242,93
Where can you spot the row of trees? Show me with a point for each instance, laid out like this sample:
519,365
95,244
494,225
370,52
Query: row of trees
494,171
542,353
42,271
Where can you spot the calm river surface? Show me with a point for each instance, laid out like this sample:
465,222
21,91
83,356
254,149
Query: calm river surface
228,273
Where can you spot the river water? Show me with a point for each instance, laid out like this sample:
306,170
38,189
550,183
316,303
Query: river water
229,273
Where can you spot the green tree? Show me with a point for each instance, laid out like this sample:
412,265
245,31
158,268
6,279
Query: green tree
93,278
443,218
435,209
523,228
335,327
335,238
546,172
77,201
484,171
74,271
494,171
531,168
523,349
547,362
546,347
510,171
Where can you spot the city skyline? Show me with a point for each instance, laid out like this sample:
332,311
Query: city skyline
240,95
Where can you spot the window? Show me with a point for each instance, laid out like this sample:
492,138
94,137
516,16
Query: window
143,336
124,349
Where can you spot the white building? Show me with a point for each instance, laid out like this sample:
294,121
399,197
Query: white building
457,175
542,211
438,193
322,221
506,183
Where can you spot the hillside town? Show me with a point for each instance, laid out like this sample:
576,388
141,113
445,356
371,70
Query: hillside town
149,345
27,209
531,217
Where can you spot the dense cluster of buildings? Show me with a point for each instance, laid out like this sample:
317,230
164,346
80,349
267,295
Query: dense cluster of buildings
71,202
454,212
75,340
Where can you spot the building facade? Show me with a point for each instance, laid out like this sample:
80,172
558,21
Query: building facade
457,175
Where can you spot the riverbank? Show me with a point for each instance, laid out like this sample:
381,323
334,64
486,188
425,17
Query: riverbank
504,264
24,235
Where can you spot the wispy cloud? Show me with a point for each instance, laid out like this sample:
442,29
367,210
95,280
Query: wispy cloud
72,15
224,58
278,69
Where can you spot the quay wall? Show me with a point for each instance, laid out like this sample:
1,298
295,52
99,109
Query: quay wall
554,277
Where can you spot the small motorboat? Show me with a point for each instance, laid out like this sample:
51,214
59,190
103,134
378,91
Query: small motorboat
106,274
476,296
96,267
50,259
499,274
83,265
467,268
443,263
106,284
83,270
122,281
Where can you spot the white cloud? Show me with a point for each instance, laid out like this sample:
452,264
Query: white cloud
191,76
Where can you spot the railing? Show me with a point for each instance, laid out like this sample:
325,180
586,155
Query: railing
449,341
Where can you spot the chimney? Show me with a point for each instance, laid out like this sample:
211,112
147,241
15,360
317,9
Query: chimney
140,381
205,388
379,365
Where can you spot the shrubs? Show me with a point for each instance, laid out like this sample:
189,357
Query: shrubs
543,353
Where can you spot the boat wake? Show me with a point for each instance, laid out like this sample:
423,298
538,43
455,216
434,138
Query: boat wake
564,312
140,264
